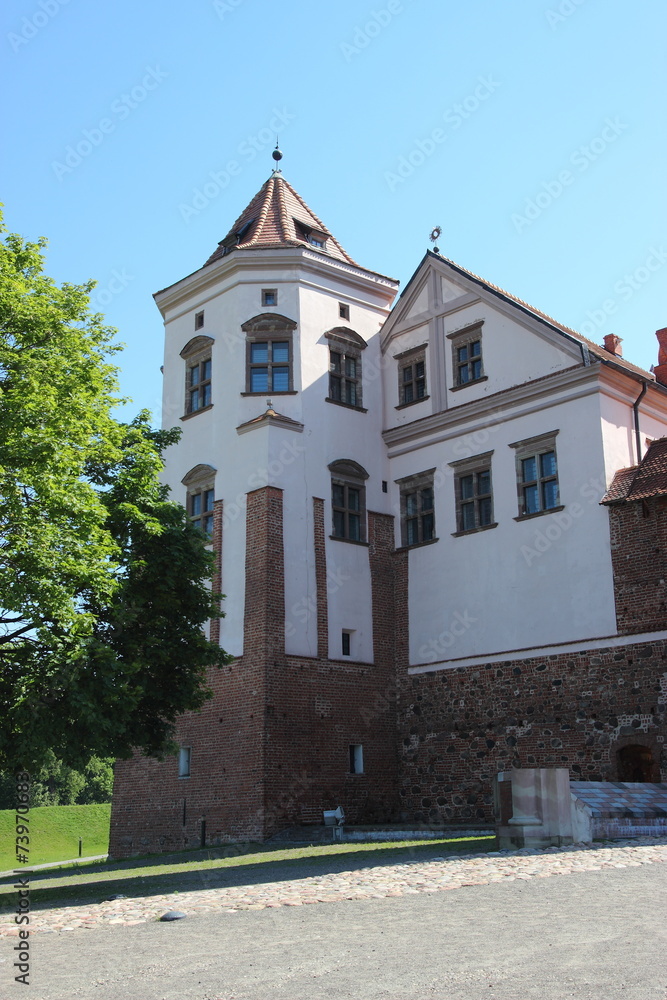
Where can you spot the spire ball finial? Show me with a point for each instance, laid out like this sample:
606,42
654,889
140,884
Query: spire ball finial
276,154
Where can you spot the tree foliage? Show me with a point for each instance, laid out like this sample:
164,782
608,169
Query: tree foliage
56,784
103,581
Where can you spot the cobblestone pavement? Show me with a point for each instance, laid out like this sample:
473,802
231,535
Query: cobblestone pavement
438,874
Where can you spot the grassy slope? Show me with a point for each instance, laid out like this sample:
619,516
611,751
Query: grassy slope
54,833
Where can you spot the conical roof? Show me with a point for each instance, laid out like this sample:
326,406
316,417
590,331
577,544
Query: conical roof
278,217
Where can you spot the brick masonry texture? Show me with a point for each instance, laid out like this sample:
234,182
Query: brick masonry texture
639,557
271,749
459,727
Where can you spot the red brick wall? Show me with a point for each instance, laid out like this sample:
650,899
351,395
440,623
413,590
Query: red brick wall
272,748
321,579
458,727
639,556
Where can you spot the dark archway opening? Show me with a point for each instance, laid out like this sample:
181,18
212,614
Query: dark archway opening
635,763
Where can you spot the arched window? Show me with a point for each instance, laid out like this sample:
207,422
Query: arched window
200,485
269,358
348,500
197,357
345,347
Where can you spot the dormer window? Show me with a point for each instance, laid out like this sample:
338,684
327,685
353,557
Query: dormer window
309,235
243,230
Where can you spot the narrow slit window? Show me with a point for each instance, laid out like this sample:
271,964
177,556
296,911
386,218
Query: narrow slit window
356,758
184,761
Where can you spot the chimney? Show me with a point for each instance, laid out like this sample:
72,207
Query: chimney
612,343
660,370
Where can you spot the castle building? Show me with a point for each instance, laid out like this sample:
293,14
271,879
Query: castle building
439,530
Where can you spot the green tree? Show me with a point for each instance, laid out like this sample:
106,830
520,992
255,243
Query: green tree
56,784
103,581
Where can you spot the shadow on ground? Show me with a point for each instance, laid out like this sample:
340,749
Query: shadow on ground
95,883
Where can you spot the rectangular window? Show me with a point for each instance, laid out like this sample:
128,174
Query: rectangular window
343,310
345,378
474,498
345,643
200,504
184,759
270,366
411,375
417,509
199,385
469,362
199,320
413,381
269,296
467,355
537,474
356,758
347,506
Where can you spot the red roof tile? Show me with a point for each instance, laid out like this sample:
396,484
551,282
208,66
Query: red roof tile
648,479
278,217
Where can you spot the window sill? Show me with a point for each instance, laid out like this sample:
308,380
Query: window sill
473,531
350,541
464,385
348,406
539,513
417,545
269,393
401,406
194,413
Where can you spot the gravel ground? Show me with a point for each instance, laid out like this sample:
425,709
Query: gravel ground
502,926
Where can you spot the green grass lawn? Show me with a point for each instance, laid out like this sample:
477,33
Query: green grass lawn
55,832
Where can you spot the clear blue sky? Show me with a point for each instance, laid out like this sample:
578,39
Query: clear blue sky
533,132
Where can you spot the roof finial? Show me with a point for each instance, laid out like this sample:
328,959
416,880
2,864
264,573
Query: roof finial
436,233
277,156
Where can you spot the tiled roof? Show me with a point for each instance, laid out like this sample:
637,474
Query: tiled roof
278,217
595,349
648,479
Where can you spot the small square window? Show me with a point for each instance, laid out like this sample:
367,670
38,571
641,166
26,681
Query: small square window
356,758
269,296
343,310
199,320
184,758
